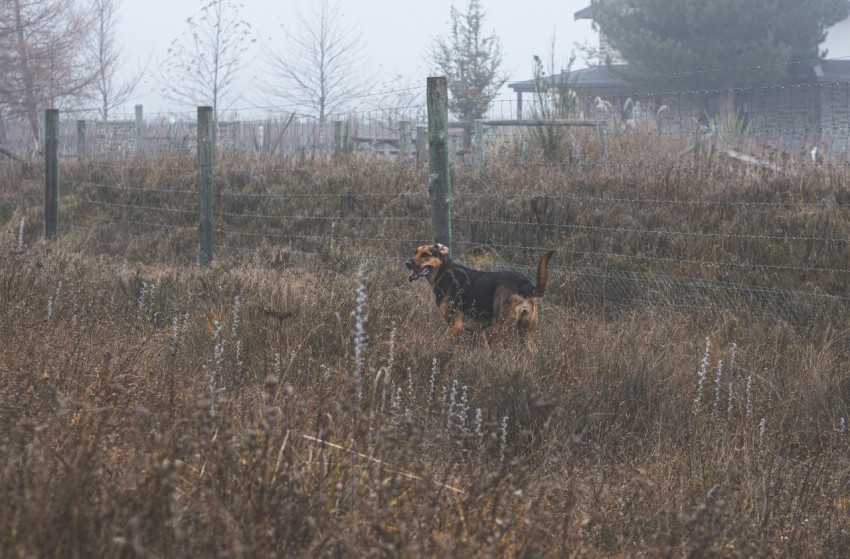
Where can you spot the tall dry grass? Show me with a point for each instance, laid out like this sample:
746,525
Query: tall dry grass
112,445
151,407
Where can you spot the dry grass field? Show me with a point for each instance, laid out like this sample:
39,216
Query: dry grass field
280,404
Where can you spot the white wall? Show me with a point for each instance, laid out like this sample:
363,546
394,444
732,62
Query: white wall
838,40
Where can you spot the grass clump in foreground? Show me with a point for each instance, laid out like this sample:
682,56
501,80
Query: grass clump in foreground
155,410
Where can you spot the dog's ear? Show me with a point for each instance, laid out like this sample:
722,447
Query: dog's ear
442,249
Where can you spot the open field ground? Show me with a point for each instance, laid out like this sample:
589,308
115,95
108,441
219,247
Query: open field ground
689,398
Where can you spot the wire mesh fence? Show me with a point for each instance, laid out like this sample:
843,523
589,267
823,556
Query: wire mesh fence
732,200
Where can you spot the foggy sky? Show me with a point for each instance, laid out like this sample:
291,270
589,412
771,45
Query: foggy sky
397,36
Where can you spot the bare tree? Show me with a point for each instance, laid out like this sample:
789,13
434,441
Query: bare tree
319,65
43,57
201,68
398,98
109,89
398,91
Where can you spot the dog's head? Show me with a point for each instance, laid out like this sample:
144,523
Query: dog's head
427,260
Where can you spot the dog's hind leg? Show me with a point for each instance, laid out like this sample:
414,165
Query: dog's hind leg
510,312
527,323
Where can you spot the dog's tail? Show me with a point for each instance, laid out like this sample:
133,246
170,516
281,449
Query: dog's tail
541,274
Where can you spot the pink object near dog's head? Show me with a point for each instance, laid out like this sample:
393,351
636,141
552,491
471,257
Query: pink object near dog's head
443,248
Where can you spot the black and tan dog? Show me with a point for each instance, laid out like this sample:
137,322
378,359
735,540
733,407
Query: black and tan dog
503,299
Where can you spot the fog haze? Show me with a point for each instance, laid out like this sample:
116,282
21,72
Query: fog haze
397,36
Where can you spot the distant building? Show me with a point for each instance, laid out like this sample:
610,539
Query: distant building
810,110
605,49
837,42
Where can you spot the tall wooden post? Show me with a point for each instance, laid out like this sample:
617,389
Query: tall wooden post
338,147
261,139
439,184
478,143
205,182
603,133
138,128
302,138
404,141
81,139
51,172
421,141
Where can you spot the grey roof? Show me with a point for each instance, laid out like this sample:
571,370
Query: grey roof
595,80
829,71
600,80
587,13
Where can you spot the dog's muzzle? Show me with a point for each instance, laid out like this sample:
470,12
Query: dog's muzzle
415,273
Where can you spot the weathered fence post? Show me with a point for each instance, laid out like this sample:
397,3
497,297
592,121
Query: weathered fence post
41,134
421,141
205,182
439,185
51,172
173,133
261,139
404,141
138,127
302,139
81,139
338,148
478,143
603,133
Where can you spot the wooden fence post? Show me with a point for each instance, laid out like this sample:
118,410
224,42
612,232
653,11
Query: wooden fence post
205,182
81,139
439,184
51,172
138,127
603,134
261,139
421,142
302,138
478,143
404,141
41,134
339,140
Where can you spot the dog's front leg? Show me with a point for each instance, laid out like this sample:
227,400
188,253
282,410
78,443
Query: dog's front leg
453,317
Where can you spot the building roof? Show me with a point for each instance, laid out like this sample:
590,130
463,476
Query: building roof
587,13
829,71
602,80
595,80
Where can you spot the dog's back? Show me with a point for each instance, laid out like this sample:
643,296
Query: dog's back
475,292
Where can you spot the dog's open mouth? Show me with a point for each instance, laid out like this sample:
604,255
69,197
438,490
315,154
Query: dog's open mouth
415,275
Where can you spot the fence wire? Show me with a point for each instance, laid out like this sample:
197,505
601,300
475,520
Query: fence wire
743,208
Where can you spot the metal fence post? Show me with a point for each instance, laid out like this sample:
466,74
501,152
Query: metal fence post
205,182
51,172
439,184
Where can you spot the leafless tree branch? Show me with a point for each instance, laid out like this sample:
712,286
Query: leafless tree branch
318,67
202,67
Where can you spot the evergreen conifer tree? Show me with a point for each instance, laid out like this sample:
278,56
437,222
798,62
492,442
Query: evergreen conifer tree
702,44
470,61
